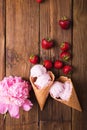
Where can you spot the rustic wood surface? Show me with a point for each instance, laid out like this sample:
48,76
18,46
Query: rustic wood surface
23,24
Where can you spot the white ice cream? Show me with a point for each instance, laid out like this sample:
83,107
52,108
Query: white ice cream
42,76
61,90
67,91
56,89
43,80
37,70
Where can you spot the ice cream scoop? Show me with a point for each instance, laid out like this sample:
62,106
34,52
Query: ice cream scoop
61,90
43,80
37,70
67,91
56,89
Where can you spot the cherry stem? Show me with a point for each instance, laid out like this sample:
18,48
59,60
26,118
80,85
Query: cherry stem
64,18
48,39
31,56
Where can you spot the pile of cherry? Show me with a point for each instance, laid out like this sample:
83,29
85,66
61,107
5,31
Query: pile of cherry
65,55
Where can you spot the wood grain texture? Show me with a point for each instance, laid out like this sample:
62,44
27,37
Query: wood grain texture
2,48
79,120
22,35
23,24
22,32
2,39
55,125
51,12
23,127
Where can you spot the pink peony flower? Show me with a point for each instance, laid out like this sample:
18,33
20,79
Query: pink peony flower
14,93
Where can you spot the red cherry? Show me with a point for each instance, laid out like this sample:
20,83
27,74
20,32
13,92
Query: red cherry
65,55
34,59
67,69
65,46
48,64
47,43
64,23
58,64
39,1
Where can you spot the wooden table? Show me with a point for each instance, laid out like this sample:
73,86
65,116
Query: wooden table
23,24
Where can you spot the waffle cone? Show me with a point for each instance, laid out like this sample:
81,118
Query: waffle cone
42,94
73,100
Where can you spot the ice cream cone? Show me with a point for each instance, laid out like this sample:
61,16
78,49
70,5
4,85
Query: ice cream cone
42,94
73,100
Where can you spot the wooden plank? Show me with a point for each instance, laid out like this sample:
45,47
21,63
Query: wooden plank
50,13
79,120
23,127
2,49
55,125
22,30
2,39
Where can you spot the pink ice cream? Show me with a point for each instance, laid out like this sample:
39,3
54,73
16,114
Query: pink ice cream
56,89
37,70
67,91
43,77
42,80
61,90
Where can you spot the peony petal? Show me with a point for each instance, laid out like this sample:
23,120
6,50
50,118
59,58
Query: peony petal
3,108
27,105
13,111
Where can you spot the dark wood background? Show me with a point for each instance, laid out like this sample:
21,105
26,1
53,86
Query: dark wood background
23,24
